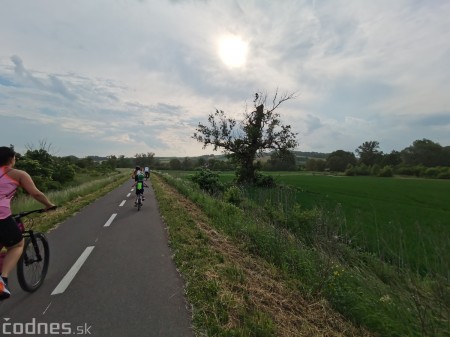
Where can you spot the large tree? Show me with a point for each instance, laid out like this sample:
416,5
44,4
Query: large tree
425,152
368,153
143,159
339,160
260,130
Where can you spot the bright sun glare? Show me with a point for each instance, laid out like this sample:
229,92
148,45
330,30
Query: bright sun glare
233,51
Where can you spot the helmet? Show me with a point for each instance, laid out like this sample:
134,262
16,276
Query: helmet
137,168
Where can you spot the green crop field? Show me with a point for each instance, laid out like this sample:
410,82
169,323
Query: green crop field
406,221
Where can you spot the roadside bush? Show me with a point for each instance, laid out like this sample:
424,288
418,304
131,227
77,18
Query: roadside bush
386,172
444,172
431,172
208,181
233,195
265,181
64,172
444,175
362,170
411,170
350,171
375,170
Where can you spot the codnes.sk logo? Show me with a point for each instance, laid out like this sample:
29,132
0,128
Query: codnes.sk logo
42,328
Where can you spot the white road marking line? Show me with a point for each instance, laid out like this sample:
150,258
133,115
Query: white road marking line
132,189
128,195
122,203
62,286
110,220
48,306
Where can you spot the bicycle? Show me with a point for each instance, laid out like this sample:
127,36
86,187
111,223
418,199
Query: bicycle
140,193
33,264
139,201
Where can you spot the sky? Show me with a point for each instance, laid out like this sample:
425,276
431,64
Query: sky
120,77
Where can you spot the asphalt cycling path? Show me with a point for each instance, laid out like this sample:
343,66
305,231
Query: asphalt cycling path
110,274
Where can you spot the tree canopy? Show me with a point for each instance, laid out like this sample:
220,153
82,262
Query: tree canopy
427,153
368,152
243,141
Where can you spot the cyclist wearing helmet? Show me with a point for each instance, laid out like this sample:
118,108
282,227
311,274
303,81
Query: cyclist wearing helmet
136,169
139,183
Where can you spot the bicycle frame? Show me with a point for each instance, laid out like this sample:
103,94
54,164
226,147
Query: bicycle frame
139,201
30,234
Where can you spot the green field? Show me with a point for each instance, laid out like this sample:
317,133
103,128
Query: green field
406,221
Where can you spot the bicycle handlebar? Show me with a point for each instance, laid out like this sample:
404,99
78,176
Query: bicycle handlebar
25,213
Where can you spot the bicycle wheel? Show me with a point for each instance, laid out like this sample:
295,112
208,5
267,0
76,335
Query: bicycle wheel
33,264
139,203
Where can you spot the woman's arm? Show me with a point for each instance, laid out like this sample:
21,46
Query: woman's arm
27,183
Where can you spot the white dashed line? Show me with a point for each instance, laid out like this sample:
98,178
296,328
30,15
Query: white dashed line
62,286
48,306
122,203
110,220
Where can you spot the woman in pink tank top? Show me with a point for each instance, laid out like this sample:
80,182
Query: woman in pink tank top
10,235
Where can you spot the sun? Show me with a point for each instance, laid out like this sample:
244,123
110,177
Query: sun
233,51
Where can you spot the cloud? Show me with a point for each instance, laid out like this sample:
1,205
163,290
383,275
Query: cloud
19,68
145,73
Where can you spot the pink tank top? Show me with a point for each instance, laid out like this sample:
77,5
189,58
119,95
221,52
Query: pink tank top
8,187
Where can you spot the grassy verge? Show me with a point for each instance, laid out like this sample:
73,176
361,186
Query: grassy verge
69,201
232,289
388,300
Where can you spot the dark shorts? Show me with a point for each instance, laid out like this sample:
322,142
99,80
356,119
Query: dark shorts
10,233
139,191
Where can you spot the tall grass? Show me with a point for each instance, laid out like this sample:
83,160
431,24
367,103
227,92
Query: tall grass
308,246
25,202
69,200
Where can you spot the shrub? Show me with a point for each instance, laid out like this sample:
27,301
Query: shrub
233,195
208,181
362,170
431,172
375,170
350,171
265,181
386,172
444,175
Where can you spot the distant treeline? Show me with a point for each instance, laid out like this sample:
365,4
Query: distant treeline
424,158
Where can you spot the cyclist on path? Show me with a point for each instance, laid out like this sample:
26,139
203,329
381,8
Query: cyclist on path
10,234
139,183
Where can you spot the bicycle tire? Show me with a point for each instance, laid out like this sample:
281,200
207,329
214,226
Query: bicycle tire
139,203
31,272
